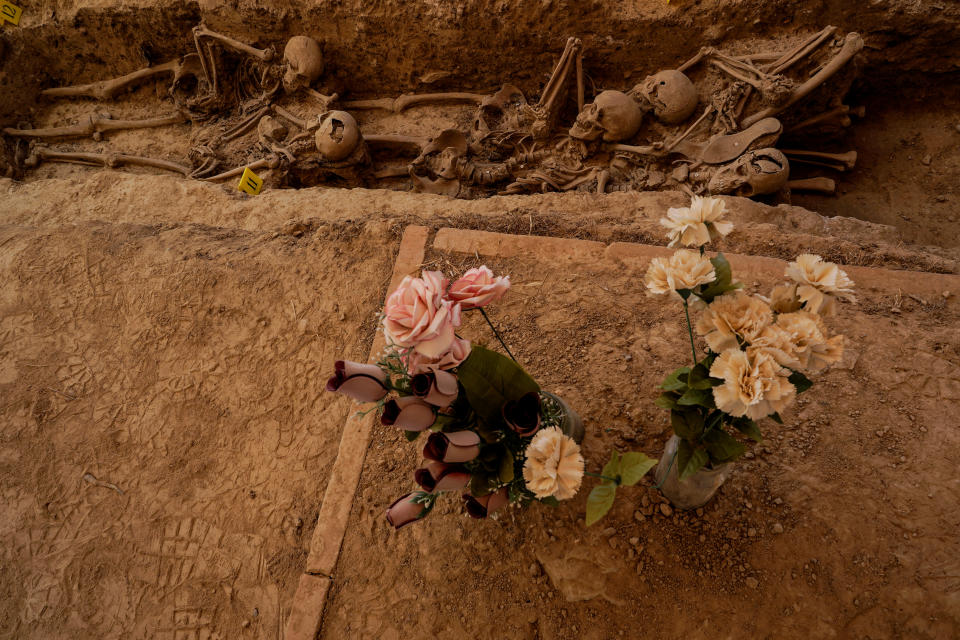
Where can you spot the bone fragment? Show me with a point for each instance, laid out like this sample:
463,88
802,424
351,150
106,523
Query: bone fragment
792,57
96,124
111,160
265,55
851,45
106,89
406,101
819,185
847,160
259,164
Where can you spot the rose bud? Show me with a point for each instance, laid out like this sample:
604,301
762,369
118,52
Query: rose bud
485,505
523,415
407,511
437,476
362,382
477,287
409,413
437,387
456,446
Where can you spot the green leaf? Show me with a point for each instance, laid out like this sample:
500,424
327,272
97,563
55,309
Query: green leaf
694,461
506,468
550,501
600,500
776,417
697,397
633,466
411,435
676,381
612,468
748,427
666,400
687,424
723,281
800,381
490,380
699,378
723,447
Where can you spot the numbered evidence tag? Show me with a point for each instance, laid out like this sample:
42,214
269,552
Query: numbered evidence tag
10,12
249,182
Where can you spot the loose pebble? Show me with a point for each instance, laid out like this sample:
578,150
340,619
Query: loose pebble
777,528
753,583
666,510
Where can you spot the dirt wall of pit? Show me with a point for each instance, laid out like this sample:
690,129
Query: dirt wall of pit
385,47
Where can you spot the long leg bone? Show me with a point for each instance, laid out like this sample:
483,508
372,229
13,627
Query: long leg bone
106,89
41,154
258,164
851,45
396,105
835,117
846,160
819,185
548,106
95,125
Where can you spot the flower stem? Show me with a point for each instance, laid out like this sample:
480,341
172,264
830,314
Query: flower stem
600,475
496,333
693,348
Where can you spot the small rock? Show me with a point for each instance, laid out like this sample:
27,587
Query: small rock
534,569
639,517
777,527
666,510
640,567
753,583
778,501
927,159
751,532
609,531
635,541
947,294
644,501
700,512
245,624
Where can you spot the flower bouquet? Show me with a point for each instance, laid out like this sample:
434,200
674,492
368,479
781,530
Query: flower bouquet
758,353
491,432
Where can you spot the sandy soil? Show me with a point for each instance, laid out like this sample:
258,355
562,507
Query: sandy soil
184,367
839,525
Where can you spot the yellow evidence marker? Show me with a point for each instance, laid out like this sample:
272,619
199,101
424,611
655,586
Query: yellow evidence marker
10,12
249,182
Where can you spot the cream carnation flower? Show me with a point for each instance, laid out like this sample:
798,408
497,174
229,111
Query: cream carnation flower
753,385
554,466
732,319
685,269
783,298
776,342
811,348
819,283
698,224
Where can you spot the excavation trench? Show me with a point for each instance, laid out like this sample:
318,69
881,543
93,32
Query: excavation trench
906,80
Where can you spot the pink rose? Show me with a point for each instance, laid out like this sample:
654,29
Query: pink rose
418,316
478,287
457,353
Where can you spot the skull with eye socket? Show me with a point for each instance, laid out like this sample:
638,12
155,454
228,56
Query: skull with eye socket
612,115
302,63
755,173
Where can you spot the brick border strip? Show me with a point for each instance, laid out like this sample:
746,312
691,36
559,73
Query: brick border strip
310,599
638,256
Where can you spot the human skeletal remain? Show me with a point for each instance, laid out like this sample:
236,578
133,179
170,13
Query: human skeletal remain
754,173
303,63
95,125
338,135
612,115
670,94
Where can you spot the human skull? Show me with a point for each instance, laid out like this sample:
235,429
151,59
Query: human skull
671,94
303,63
754,173
337,136
612,114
